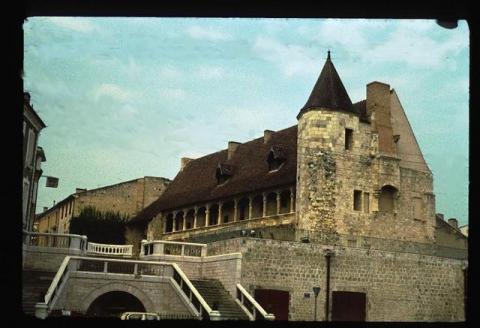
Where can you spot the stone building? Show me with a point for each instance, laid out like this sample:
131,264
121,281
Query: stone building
448,233
464,230
343,201
127,198
345,168
33,156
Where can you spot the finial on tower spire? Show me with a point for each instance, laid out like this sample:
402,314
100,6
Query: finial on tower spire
328,56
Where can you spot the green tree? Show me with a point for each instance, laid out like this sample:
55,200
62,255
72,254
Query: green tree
100,227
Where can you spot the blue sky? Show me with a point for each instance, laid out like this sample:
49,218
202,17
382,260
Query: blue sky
125,98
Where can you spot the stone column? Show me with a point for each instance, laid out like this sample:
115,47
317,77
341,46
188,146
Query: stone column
184,225
375,200
292,200
278,202
264,204
195,217
164,223
235,203
250,206
220,217
207,215
174,226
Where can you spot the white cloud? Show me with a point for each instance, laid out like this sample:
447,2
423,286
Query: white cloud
202,33
72,23
290,58
415,49
410,42
115,92
337,32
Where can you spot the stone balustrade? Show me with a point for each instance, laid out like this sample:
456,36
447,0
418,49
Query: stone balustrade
162,247
110,250
55,240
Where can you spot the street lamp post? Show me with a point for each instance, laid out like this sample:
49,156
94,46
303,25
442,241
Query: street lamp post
316,290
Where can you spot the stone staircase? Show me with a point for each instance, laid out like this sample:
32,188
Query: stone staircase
35,286
219,299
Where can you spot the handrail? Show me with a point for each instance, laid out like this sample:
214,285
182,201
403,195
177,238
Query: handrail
56,280
176,242
54,234
257,307
184,280
119,260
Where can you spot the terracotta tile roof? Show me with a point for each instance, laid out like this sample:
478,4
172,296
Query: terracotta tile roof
329,92
197,183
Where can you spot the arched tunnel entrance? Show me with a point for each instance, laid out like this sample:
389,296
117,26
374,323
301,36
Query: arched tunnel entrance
113,304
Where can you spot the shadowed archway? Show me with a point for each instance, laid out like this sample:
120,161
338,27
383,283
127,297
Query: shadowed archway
113,304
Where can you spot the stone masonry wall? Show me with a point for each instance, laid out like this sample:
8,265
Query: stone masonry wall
398,286
128,198
316,171
328,174
46,258
225,268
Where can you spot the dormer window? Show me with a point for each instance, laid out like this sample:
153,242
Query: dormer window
276,158
223,173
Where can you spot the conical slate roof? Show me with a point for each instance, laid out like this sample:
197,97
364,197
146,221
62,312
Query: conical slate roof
329,92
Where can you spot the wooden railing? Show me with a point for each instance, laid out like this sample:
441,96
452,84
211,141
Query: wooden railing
110,250
162,247
55,240
255,310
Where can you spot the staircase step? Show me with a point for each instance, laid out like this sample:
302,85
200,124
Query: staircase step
35,286
213,292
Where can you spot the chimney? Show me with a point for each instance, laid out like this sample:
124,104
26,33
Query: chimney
440,216
45,208
77,190
232,147
267,135
378,109
184,161
453,222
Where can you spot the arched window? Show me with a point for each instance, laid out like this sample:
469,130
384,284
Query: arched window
386,199
169,223
276,158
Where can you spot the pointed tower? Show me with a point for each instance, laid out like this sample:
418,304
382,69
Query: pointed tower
329,92
327,125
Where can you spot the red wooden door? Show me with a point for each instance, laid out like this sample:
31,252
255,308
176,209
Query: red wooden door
348,306
274,301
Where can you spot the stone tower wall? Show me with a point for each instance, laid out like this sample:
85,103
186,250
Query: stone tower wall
330,176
